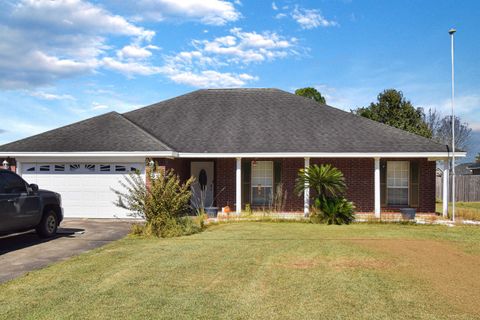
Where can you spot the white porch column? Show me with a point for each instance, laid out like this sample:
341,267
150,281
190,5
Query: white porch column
238,188
446,174
306,193
377,188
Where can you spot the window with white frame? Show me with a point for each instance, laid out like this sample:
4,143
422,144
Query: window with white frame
397,182
262,183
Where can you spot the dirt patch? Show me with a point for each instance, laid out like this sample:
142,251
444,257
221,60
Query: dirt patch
342,264
454,274
300,264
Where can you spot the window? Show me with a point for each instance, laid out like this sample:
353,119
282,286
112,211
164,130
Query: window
44,167
397,182
104,168
90,167
74,167
120,168
262,182
12,183
59,167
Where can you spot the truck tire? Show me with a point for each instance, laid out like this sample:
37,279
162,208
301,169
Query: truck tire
48,225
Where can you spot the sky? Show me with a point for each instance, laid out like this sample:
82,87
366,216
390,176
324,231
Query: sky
67,60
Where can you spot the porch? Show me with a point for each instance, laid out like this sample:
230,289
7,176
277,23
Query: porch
375,185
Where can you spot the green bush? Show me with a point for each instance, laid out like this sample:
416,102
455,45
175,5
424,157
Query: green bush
336,210
328,186
164,204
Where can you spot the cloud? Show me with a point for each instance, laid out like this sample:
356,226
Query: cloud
210,78
210,12
98,106
130,68
50,96
274,6
311,18
2,131
200,67
51,40
134,51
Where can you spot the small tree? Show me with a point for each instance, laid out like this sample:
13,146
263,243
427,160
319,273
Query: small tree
164,203
311,93
328,183
477,158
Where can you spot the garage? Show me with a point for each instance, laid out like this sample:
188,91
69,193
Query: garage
85,187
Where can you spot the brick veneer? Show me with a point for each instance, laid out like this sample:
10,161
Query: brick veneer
358,177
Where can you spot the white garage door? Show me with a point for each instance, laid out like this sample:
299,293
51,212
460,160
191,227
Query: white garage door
85,187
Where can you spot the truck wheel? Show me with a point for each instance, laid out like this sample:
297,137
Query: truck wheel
48,225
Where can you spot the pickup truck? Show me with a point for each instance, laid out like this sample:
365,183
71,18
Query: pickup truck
24,207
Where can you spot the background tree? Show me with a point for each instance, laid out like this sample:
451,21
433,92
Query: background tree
443,133
311,93
393,109
477,158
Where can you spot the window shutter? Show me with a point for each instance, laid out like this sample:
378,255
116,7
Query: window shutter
414,184
383,183
246,180
277,174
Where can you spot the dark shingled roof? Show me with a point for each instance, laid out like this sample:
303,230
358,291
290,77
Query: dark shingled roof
107,132
230,121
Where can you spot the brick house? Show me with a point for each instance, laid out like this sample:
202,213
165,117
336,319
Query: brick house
240,144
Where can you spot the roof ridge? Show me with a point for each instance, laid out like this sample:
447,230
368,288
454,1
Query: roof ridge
163,144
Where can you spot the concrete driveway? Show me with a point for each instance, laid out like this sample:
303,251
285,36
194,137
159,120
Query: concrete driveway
24,252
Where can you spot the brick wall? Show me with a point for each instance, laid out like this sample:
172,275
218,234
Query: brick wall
359,177
225,178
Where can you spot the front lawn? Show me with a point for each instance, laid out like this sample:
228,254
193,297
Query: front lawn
264,271
463,210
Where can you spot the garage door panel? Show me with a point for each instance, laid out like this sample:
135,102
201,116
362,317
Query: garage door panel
85,192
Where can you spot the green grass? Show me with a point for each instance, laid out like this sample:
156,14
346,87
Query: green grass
463,210
263,271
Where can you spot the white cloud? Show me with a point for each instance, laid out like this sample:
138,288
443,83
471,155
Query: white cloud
199,67
311,18
280,15
135,51
274,6
130,68
211,12
51,96
212,79
51,40
246,47
98,106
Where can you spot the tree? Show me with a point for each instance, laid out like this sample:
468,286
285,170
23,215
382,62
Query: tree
393,109
477,158
443,133
311,93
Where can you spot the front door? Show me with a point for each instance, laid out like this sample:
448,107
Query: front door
202,188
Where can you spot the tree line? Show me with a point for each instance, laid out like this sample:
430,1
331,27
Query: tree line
393,109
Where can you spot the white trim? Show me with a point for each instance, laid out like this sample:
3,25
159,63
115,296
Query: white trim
377,187
172,154
238,186
306,193
320,155
91,154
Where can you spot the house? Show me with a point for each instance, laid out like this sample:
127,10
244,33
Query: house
243,142
466,169
474,168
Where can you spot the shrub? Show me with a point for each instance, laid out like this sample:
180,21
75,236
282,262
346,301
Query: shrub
164,204
328,186
336,210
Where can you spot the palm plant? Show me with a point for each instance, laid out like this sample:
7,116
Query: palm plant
326,180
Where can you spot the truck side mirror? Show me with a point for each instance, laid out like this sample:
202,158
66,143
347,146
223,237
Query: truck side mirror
34,187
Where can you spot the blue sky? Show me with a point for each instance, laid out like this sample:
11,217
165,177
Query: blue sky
67,60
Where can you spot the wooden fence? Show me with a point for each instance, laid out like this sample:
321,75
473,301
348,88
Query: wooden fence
467,188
